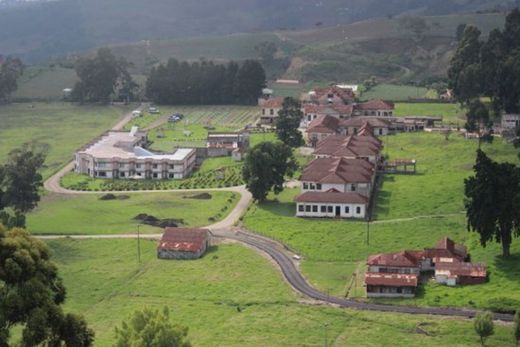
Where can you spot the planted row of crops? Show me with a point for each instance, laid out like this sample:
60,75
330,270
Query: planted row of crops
223,177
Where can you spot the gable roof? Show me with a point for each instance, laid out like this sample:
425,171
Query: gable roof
391,280
338,171
275,102
324,124
376,104
358,122
333,197
353,146
183,239
399,259
462,269
344,110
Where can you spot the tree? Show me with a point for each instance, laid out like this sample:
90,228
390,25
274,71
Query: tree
10,71
516,328
249,82
32,293
460,31
464,66
492,201
265,168
20,181
266,51
484,326
289,118
102,76
151,328
477,116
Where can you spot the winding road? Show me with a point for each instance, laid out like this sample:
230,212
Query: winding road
226,229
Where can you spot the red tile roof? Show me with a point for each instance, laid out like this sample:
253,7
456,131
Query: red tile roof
462,269
339,171
358,122
345,94
183,239
324,124
275,102
353,146
344,110
399,259
332,197
375,105
391,280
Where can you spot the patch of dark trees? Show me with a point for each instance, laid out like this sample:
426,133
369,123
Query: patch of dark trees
206,83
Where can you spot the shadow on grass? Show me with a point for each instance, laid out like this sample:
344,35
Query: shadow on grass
287,209
509,267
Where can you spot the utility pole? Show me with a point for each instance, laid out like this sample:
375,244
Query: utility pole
325,325
368,231
138,244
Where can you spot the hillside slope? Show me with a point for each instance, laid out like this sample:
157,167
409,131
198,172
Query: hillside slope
38,30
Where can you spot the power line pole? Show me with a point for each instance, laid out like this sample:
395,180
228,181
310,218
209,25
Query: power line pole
325,325
138,244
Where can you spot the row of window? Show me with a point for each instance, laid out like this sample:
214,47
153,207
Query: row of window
312,186
394,270
123,174
324,209
137,165
271,112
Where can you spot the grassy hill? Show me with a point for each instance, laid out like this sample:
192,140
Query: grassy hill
39,30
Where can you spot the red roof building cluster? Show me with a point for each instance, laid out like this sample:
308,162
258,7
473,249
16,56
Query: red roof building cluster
446,260
352,147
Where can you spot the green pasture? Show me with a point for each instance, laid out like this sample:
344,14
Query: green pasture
87,214
451,113
230,297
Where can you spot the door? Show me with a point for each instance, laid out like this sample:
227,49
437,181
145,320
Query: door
338,211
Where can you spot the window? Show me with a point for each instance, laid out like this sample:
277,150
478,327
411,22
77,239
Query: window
102,174
355,131
271,112
347,209
300,208
380,131
171,166
170,175
329,209
305,186
263,111
358,210
312,186
139,174
122,174
308,208
155,175
314,208
323,209
154,166
137,166
318,186
352,187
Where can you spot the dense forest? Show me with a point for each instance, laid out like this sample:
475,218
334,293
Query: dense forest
206,83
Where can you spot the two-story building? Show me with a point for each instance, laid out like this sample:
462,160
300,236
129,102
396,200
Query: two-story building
225,143
365,147
313,111
122,155
269,110
374,108
335,187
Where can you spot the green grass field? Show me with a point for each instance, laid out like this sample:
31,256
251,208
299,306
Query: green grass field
59,128
394,92
86,214
451,113
43,82
223,302
334,250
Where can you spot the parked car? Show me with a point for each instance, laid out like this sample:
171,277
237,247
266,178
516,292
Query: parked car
153,110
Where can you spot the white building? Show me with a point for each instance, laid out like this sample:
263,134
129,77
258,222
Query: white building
510,121
122,155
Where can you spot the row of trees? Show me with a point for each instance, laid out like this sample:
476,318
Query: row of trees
489,68
205,83
102,78
10,70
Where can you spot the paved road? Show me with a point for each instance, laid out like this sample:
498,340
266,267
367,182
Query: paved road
278,252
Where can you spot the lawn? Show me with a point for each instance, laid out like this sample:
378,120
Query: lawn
451,113
59,128
394,92
334,250
87,214
45,83
223,302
